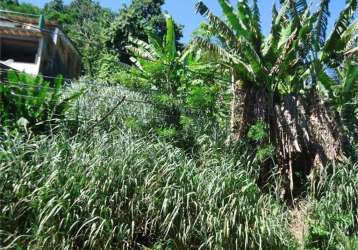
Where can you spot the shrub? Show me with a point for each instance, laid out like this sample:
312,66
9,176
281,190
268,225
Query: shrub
179,85
31,101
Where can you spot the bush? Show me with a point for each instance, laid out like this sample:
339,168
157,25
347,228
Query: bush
32,102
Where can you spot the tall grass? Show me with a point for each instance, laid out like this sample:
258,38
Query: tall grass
110,188
114,186
333,221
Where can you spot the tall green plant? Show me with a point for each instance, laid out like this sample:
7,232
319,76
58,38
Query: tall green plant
173,83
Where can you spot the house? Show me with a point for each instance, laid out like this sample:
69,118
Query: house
32,45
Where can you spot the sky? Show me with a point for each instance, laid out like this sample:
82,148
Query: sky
183,11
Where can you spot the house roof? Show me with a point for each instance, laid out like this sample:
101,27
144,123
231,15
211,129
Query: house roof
8,31
24,18
13,24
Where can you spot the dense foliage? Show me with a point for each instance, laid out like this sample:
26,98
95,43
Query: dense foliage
135,21
110,189
235,141
28,101
13,5
180,95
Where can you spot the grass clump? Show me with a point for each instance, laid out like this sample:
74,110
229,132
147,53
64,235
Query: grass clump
115,191
333,221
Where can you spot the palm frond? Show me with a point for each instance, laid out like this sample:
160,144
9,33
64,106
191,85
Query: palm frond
249,53
270,44
292,10
299,6
136,63
334,45
325,84
217,26
140,43
199,42
350,36
322,22
350,84
282,13
201,8
274,13
285,35
141,52
256,25
244,12
275,25
351,51
282,60
256,13
156,42
305,40
236,23
228,59
268,47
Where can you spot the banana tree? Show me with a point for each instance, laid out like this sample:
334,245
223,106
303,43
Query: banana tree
157,64
179,86
276,79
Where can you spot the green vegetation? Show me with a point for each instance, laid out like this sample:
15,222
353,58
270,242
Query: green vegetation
179,94
30,101
112,189
136,20
283,80
13,5
234,141
333,224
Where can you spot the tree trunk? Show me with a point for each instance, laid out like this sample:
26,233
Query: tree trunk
304,131
248,106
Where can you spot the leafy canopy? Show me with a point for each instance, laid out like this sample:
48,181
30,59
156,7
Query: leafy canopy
295,53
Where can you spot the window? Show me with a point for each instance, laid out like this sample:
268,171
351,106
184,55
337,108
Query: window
18,50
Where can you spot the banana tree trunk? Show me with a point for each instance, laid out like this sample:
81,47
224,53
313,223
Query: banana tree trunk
249,105
304,131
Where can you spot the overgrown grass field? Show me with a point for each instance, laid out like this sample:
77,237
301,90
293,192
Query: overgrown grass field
237,140
113,186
